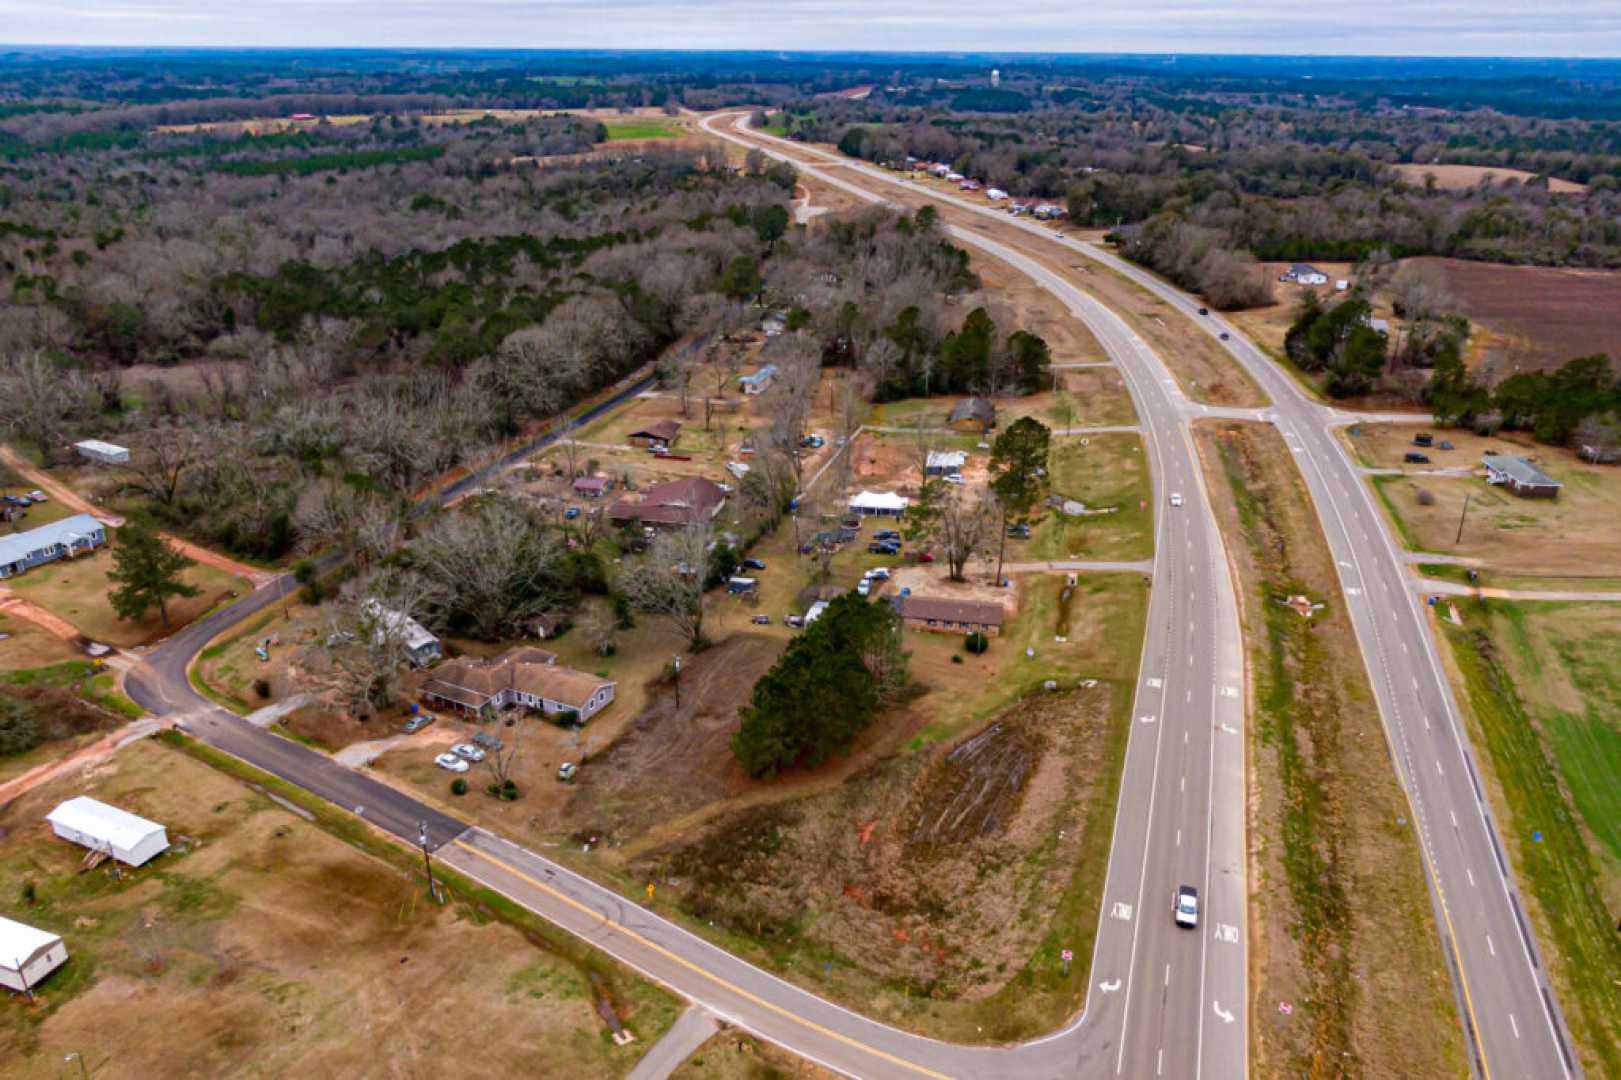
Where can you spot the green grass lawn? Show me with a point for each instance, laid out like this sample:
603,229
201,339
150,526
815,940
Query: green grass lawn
1543,690
1100,471
641,128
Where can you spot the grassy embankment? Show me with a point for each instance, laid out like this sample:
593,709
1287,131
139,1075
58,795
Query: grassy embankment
1341,921
1542,690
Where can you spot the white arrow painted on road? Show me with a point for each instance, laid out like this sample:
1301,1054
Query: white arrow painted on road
1146,719
1226,1017
1109,987
1228,729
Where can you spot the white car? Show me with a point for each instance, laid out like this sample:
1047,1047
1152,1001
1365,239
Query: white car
451,762
954,478
467,751
1176,498
865,587
877,573
1186,906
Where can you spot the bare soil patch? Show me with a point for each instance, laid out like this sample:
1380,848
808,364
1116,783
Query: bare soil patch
1341,925
1535,317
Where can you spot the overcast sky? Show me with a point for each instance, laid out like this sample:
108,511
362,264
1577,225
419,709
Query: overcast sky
1390,27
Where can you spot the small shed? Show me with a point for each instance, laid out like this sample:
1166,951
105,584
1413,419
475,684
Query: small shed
878,504
593,487
129,839
102,453
27,955
975,415
417,641
759,381
945,462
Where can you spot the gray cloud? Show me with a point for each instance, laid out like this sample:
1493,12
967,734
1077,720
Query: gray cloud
1384,27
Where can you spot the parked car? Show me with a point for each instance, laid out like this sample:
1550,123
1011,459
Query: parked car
878,573
865,587
795,621
22,500
566,772
1423,438
1185,906
39,496
954,478
886,534
468,751
416,723
1444,445
1022,532
572,512
761,620
451,763
925,556
754,564
1413,457
486,740
888,547
852,523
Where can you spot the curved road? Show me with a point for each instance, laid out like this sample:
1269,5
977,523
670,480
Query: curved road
1512,1020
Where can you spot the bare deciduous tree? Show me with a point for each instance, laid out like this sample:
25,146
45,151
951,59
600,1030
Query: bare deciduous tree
669,580
366,636
966,527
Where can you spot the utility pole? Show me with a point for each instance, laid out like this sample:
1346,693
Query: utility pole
678,682
427,862
1459,539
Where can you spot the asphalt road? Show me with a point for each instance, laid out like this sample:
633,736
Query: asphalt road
1163,1001
1508,1007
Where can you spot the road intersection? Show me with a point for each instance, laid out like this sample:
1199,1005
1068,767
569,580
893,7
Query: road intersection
1512,1019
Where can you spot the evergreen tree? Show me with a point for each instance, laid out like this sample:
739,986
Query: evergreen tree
147,572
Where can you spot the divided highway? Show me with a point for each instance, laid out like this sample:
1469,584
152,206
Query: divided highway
1513,1021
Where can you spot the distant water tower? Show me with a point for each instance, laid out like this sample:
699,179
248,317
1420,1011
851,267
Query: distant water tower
996,77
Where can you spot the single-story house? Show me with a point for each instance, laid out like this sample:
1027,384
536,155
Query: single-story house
974,415
759,381
672,505
129,839
27,955
1520,476
878,504
658,433
945,462
102,453
524,676
59,540
421,648
1304,274
593,487
945,613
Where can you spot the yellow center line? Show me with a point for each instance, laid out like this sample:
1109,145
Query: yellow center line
689,965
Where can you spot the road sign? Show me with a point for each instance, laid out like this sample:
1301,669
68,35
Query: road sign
1285,1008
650,890
1067,956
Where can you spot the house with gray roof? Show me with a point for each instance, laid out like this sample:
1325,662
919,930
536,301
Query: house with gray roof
59,540
1520,476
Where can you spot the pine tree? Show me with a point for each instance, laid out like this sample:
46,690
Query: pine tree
147,572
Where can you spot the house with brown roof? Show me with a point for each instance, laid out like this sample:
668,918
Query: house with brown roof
951,615
672,505
660,433
593,487
526,676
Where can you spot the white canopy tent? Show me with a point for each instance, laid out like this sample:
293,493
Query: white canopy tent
881,503
129,839
27,955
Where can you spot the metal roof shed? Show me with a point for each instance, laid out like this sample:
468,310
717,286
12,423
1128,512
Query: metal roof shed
27,955
129,839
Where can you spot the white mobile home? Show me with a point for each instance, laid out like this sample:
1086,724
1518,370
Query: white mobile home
99,827
418,643
102,453
27,955
59,540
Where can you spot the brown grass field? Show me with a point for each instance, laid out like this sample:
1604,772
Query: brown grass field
77,590
1569,537
1463,177
260,944
1534,317
1340,919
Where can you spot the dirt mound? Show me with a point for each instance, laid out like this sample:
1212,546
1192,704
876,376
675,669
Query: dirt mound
976,789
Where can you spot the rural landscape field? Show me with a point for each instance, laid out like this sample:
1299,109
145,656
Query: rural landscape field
634,562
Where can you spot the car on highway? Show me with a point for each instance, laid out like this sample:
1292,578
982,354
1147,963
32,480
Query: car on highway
468,751
1225,335
1176,498
416,723
1185,906
451,763
1204,311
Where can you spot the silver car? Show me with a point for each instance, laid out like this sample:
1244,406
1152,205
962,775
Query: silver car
468,751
